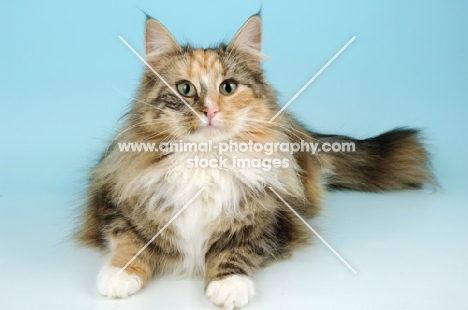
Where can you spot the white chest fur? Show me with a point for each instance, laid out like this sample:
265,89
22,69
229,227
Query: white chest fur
219,198
171,184
192,235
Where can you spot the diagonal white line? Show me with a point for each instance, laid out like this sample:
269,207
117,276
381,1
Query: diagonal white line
162,229
313,230
312,79
161,78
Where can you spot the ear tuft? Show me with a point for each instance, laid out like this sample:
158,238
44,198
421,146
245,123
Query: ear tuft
158,39
249,37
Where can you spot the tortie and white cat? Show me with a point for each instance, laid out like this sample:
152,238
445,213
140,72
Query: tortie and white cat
236,225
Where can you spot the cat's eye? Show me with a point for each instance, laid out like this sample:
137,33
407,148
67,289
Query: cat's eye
186,89
227,87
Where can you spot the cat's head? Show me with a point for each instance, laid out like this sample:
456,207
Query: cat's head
215,93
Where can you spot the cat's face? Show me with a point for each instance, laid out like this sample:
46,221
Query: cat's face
214,94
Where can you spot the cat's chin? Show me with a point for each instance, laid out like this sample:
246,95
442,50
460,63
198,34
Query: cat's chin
213,133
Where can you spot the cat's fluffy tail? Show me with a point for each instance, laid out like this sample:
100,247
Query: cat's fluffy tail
394,160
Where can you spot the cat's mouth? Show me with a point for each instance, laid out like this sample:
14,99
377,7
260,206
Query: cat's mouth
211,130
211,125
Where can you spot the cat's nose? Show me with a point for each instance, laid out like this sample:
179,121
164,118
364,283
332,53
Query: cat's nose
210,112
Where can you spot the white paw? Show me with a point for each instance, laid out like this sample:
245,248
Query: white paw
114,285
231,292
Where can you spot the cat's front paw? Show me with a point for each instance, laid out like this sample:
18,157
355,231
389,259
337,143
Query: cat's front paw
231,292
114,285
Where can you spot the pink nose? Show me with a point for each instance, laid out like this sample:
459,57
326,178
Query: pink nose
210,112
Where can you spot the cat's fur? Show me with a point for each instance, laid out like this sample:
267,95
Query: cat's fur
237,224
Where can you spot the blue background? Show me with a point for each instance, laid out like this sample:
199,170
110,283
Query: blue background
65,79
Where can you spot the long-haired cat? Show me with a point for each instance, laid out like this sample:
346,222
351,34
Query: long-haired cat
236,224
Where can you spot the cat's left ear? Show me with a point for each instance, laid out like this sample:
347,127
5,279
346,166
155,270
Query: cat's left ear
249,37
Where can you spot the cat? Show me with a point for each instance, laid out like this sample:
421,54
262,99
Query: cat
235,224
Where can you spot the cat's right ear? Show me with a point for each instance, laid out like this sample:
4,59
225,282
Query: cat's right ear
158,39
